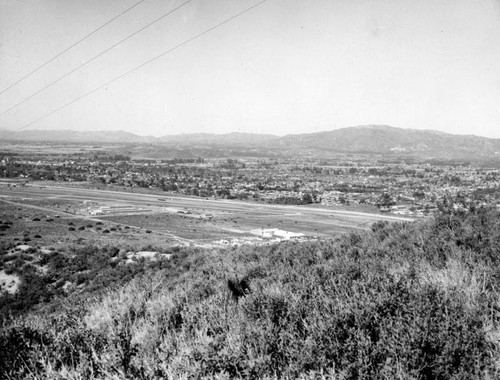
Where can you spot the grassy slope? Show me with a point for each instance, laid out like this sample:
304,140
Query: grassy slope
412,301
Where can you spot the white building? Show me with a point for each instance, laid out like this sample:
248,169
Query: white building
270,233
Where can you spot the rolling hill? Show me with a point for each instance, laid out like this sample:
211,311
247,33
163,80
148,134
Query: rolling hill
368,139
386,140
74,136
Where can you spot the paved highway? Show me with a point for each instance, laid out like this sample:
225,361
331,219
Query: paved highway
121,197
248,215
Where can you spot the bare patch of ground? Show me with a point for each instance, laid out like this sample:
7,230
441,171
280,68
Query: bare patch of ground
8,282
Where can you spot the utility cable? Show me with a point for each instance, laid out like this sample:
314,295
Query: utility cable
143,64
72,46
96,56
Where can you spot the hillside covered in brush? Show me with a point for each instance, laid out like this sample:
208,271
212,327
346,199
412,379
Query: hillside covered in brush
405,300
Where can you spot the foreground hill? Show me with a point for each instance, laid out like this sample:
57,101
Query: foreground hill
370,139
406,300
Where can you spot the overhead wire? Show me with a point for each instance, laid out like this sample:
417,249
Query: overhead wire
95,57
72,46
144,64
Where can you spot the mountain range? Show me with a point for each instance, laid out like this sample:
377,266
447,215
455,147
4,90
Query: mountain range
366,139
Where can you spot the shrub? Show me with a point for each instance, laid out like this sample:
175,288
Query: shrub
26,257
113,251
412,301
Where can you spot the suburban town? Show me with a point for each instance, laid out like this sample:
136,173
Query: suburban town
398,187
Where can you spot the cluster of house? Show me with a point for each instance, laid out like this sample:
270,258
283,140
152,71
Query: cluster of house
263,236
331,182
408,210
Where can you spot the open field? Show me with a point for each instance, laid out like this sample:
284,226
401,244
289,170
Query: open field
40,226
168,218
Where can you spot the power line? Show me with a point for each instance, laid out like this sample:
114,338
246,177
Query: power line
95,57
143,64
72,46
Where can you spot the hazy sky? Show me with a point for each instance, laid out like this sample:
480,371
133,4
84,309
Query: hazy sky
287,66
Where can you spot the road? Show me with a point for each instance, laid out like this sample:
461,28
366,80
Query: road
310,220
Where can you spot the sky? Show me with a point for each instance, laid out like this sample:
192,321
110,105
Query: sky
283,67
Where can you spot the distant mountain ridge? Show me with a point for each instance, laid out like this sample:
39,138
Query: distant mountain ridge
75,136
233,138
383,139
368,139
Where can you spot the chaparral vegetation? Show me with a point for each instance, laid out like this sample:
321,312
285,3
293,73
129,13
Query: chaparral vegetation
402,301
